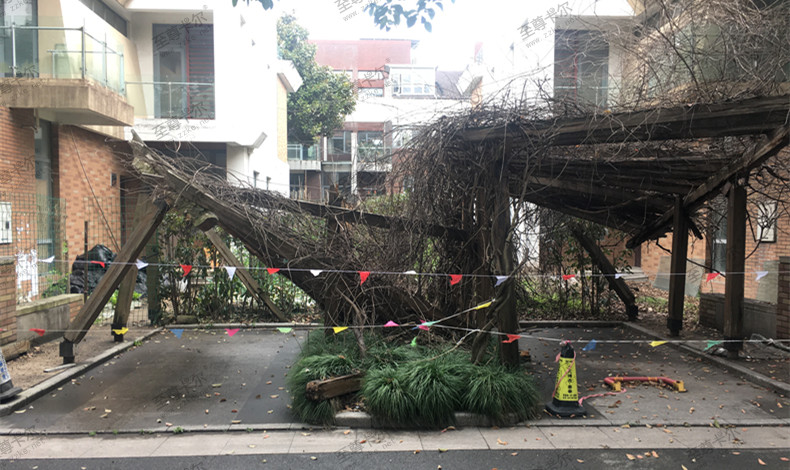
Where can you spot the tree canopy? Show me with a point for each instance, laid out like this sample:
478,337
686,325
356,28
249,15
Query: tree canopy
321,104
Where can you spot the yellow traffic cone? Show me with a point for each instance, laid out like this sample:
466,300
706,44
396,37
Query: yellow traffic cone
565,402
7,389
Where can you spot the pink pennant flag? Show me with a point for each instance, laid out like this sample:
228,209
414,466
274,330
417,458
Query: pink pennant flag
232,331
100,263
711,276
272,270
455,279
567,277
187,268
39,331
390,323
363,276
511,338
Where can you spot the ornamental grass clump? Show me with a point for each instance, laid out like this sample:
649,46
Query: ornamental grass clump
316,368
497,392
386,397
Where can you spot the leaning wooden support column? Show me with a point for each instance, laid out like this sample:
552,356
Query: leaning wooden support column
736,262
243,273
112,278
124,304
677,275
617,285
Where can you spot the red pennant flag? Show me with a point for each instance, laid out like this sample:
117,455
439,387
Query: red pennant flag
511,338
187,268
272,270
39,331
567,277
101,263
363,276
455,279
711,276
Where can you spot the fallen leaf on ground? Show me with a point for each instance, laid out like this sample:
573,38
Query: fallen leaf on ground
580,460
441,450
760,461
216,385
313,458
449,428
630,457
347,432
514,454
501,442
273,396
654,454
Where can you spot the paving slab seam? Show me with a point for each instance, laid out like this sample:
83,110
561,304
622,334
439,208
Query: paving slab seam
760,379
42,388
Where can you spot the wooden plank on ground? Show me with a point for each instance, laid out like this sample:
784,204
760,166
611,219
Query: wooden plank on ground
318,390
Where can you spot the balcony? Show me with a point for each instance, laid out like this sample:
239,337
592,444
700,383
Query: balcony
172,100
375,158
67,74
302,158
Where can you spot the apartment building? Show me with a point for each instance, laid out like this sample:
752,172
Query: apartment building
200,79
394,98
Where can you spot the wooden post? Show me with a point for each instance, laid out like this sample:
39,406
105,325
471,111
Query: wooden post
124,304
243,273
504,262
617,285
112,278
736,261
677,275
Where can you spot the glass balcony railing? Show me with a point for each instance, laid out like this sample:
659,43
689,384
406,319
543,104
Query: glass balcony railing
374,154
303,152
58,52
172,100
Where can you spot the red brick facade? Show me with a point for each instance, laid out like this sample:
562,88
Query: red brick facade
783,303
7,301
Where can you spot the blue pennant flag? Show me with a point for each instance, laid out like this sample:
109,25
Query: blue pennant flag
178,332
590,346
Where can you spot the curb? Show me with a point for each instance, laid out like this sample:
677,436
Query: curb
570,323
758,378
42,388
217,326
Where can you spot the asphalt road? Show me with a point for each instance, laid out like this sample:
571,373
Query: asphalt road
581,459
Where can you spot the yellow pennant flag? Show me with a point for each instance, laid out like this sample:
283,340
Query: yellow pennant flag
122,331
657,343
338,329
485,305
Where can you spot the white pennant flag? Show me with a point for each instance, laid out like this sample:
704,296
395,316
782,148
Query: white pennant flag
410,272
316,272
500,280
48,260
231,271
141,264
618,276
761,274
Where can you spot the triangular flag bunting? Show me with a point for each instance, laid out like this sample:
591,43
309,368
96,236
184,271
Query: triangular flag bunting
231,271
121,331
177,332
338,329
618,275
232,331
100,263
427,324
761,274
140,264
411,271
485,305
38,330
567,277
390,324
272,270
285,330
455,279
511,338
414,342
500,280
657,343
48,260
590,346
187,268
363,276
712,343
316,272
711,276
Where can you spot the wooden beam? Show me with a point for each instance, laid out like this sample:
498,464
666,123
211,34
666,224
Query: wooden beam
318,390
122,264
677,270
749,160
243,273
599,258
736,262
123,306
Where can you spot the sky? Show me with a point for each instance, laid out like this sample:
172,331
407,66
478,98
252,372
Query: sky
451,44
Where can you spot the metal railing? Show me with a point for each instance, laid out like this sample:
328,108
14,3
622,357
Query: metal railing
96,59
302,152
179,100
374,154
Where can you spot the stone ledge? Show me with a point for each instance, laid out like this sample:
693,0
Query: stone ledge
50,302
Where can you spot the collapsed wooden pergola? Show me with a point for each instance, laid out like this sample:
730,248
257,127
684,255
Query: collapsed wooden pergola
644,193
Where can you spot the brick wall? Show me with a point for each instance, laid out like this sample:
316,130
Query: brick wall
7,301
783,304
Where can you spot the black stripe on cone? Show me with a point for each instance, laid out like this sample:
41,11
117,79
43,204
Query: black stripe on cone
565,402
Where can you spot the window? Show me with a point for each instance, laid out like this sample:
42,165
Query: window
413,81
370,146
340,143
302,152
765,230
719,239
581,68
107,14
